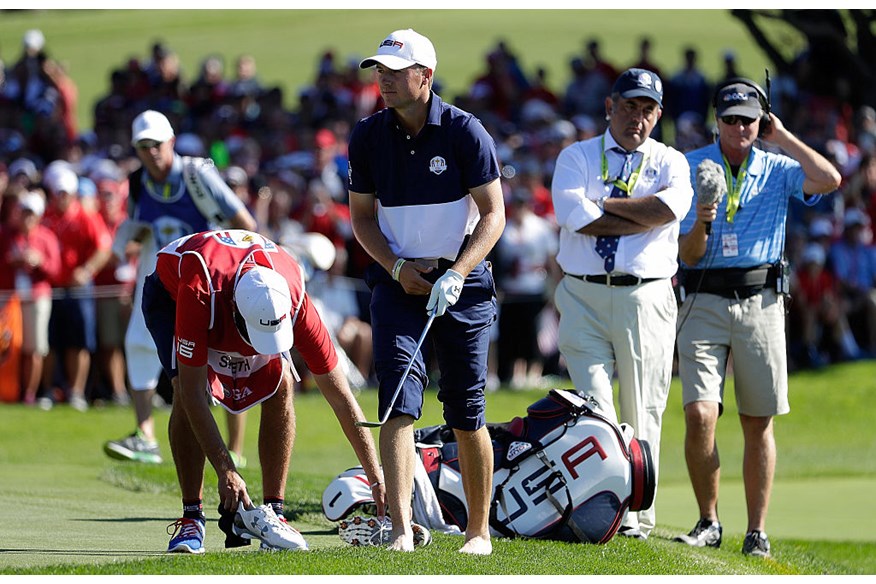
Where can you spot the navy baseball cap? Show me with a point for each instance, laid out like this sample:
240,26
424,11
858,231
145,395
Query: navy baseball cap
738,99
639,83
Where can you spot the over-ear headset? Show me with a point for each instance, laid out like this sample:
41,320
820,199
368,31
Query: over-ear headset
762,97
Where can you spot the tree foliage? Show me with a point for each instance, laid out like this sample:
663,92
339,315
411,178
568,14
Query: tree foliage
839,59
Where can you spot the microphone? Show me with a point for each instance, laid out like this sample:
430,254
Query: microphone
711,185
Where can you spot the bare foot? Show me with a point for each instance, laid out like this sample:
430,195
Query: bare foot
478,546
401,542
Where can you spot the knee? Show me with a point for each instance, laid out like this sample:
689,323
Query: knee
754,426
701,415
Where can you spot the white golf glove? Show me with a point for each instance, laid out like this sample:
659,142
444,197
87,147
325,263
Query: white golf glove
445,292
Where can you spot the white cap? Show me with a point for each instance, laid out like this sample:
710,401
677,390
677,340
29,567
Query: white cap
151,125
401,49
265,303
855,216
63,180
813,253
821,227
33,202
34,39
26,167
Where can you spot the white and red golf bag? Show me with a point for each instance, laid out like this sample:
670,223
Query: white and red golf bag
562,472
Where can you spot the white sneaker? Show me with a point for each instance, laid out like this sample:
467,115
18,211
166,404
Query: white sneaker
368,531
78,403
262,523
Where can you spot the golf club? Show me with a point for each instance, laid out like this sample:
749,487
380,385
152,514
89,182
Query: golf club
401,382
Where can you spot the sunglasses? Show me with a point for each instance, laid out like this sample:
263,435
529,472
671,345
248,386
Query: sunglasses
148,144
735,120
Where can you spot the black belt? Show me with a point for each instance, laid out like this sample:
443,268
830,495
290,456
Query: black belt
731,282
619,280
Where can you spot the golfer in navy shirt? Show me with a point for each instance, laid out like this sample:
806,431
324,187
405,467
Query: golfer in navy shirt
426,203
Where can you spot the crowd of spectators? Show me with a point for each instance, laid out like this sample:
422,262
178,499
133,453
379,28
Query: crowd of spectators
288,165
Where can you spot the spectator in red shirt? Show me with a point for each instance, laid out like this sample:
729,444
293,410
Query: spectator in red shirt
818,308
115,288
85,248
29,260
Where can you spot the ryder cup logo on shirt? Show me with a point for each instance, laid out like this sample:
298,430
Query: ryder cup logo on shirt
437,165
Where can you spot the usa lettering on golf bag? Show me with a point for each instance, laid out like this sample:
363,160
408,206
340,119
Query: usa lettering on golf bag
563,472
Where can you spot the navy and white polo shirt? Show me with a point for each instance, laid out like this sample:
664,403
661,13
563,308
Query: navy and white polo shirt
422,182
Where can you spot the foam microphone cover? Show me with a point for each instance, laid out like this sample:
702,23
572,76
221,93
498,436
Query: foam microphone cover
711,184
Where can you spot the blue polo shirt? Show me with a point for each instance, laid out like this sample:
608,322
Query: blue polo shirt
757,234
422,182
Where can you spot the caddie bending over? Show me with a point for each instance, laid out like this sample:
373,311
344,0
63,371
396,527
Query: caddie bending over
224,309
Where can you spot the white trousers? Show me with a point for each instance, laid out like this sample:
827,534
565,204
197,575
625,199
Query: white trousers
141,356
630,331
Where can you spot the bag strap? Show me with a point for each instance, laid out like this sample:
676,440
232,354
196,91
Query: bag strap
202,197
135,184
565,511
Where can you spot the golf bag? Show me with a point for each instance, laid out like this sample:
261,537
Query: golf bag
562,472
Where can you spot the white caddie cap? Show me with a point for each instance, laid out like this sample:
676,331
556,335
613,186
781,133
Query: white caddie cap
151,125
401,49
62,180
265,303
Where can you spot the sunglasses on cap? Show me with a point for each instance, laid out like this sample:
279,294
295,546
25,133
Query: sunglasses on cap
735,120
148,144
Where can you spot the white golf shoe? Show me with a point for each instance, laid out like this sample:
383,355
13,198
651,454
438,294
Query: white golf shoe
368,531
263,524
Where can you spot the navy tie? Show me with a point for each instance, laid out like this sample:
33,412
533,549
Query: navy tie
606,245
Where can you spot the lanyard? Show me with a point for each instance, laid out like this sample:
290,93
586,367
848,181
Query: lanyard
166,188
627,186
734,188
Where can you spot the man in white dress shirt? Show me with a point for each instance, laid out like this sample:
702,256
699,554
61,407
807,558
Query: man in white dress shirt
618,199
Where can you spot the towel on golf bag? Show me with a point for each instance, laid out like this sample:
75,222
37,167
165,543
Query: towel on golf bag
562,472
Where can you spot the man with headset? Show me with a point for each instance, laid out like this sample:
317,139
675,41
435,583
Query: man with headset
733,278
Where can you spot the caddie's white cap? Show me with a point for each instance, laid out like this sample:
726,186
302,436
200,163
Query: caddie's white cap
401,49
151,125
265,303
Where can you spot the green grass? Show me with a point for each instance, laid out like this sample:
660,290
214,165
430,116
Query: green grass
108,517
288,43
67,509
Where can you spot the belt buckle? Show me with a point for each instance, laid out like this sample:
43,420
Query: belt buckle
430,262
608,278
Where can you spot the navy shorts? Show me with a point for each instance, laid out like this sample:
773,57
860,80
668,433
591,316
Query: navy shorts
460,340
73,324
159,312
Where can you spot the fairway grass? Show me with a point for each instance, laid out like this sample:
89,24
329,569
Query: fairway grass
68,509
